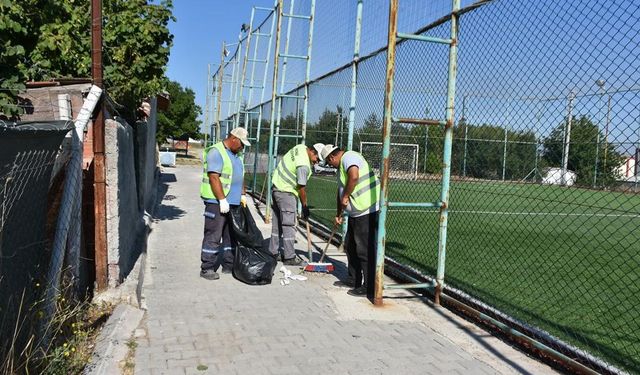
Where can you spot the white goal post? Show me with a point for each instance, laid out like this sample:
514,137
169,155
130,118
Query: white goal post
403,158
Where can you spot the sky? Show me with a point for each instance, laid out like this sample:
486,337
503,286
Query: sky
508,51
200,28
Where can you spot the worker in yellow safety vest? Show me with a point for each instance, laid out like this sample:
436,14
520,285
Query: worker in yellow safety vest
289,181
222,186
358,195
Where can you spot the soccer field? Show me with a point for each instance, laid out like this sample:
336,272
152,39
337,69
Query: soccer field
562,259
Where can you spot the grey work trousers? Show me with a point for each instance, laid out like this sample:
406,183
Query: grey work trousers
217,244
283,224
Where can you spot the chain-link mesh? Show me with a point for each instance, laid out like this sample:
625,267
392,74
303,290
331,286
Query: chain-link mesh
546,93
30,197
544,210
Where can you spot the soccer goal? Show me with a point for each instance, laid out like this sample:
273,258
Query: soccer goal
403,160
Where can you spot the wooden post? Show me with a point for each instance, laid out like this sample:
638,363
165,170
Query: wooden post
99,170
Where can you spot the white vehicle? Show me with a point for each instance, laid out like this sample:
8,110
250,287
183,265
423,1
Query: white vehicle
553,176
324,169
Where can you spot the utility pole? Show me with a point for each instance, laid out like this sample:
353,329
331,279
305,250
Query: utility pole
219,105
606,133
99,171
206,106
600,83
463,120
567,138
426,140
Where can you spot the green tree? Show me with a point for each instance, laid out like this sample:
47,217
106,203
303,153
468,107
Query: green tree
432,136
44,39
182,116
14,33
583,147
371,130
486,152
287,127
324,130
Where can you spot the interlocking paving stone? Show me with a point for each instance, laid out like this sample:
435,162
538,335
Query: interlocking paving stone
233,328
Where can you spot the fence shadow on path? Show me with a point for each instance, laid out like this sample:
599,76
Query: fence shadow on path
167,211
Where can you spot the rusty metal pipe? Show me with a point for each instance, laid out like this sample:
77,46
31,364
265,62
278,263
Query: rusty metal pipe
386,149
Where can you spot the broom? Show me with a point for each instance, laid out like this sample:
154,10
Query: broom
319,266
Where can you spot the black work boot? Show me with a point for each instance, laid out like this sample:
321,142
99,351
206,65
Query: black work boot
344,284
358,292
295,261
209,274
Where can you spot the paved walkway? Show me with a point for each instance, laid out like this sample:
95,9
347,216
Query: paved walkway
195,326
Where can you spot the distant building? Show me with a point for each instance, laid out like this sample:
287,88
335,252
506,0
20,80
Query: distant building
627,169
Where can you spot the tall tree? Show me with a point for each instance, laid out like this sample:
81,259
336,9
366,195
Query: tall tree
324,130
585,147
182,117
371,130
49,39
485,157
15,30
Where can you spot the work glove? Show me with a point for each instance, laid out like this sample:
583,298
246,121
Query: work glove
243,200
305,212
224,206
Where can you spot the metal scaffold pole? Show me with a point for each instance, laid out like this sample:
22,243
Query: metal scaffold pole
278,96
284,56
240,75
253,71
443,203
263,90
307,74
273,109
354,83
206,105
219,91
354,76
448,144
243,75
213,106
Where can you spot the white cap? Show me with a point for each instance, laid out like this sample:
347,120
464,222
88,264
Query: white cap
318,147
241,134
326,150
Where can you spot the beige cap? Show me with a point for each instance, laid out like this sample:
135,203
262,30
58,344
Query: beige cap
318,147
241,134
326,150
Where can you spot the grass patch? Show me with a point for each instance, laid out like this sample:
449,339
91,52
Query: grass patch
563,259
74,343
71,333
129,364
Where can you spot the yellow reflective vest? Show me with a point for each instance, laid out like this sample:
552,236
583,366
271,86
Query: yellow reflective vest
367,190
225,177
284,177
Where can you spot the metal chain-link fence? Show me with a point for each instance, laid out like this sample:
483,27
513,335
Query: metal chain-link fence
544,211
32,176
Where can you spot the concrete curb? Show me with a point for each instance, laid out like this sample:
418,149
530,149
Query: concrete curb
132,287
111,345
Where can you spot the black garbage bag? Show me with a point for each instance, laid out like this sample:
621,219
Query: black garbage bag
252,264
244,228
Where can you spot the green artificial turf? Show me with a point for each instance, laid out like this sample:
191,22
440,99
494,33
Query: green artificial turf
566,260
